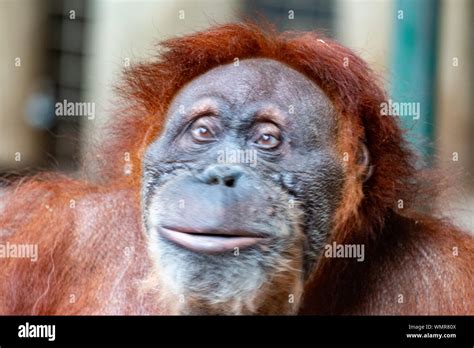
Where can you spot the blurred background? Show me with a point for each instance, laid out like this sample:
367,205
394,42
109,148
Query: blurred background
52,50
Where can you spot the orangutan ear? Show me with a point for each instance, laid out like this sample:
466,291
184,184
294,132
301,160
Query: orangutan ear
363,160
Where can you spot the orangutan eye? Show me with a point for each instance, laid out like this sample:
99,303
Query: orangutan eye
268,141
201,133
268,136
203,129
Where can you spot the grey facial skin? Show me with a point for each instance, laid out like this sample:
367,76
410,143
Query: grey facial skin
236,238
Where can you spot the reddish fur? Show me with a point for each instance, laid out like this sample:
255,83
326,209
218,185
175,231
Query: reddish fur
403,257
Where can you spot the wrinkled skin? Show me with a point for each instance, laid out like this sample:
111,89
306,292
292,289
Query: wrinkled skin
287,197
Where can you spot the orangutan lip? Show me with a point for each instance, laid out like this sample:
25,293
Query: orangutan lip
210,241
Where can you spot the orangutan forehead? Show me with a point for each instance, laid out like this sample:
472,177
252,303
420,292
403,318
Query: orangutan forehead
274,87
253,79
